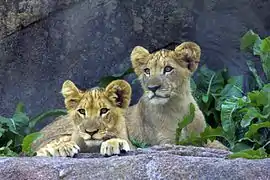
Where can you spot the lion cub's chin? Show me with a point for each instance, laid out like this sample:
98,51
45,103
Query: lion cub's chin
158,99
92,142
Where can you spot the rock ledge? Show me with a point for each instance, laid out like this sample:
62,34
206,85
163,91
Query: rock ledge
158,162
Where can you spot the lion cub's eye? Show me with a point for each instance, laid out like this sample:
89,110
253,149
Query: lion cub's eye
81,111
168,69
147,71
104,111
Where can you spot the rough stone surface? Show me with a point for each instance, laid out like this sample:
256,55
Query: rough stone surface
167,162
43,43
16,14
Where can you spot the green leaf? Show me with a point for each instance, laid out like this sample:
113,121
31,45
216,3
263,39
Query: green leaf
266,91
253,129
20,119
42,116
248,40
237,81
192,139
257,98
9,123
2,131
250,154
28,140
232,89
211,132
205,98
187,119
20,108
265,47
240,147
265,59
227,110
257,46
266,88
9,143
250,114
138,144
6,151
253,70
209,81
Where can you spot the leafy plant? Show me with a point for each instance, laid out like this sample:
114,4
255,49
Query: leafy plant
259,47
245,125
186,120
212,89
16,133
240,120
139,144
6,151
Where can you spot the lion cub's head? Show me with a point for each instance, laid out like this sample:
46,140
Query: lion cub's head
97,113
165,73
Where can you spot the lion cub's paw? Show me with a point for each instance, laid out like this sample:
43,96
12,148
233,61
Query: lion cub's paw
67,149
114,146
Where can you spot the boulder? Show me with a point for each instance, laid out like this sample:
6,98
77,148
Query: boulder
158,162
15,15
44,42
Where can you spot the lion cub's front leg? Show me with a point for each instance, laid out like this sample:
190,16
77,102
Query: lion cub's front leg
60,147
114,146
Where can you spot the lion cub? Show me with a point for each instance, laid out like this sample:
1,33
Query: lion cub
165,77
95,122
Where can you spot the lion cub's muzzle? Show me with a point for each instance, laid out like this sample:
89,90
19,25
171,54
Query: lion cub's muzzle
157,92
97,134
95,130
91,132
89,129
154,88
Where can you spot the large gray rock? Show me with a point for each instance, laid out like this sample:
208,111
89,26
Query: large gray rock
17,14
43,43
171,162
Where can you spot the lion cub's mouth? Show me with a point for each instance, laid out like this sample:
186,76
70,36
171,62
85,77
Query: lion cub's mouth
97,137
157,96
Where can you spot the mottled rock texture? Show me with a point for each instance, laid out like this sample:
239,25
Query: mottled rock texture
44,42
167,162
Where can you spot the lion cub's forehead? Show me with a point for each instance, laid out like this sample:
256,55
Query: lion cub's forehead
160,58
94,98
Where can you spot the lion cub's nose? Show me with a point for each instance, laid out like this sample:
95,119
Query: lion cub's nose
91,132
154,88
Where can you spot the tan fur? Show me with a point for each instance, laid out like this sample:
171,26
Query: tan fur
154,118
88,126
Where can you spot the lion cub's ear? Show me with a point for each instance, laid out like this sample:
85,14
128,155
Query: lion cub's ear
137,57
189,54
71,94
119,93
